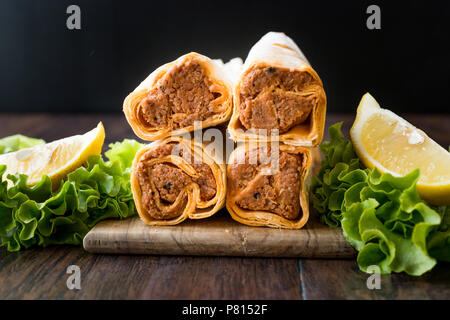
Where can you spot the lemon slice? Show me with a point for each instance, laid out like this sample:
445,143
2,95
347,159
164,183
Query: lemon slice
388,142
55,159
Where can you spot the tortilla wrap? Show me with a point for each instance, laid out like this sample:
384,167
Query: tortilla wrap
176,178
176,95
257,196
279,92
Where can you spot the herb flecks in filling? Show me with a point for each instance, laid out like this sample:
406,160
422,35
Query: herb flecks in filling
278,193
169,181
182,96
271,99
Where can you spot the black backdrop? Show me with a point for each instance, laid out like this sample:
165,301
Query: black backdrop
46,67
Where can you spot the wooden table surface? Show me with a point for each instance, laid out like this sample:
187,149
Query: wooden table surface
41,273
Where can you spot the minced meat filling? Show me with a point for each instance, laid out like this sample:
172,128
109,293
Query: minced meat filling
278,193
182,95
270,99
169,181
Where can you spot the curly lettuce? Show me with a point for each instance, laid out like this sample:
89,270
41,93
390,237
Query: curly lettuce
41,216
381,216
340,170
17,142
123,152
439,241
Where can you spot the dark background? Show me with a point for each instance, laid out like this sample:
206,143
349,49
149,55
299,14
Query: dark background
44,67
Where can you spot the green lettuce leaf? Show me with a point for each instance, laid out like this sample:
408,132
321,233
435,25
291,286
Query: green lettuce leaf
390,225
438,242
381,216
123,152
17,142
340,170
37,215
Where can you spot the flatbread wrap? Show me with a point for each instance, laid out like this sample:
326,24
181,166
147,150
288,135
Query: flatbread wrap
261,194
176,178
176,95
278,90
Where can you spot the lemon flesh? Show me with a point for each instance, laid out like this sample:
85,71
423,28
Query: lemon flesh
389,143
55,159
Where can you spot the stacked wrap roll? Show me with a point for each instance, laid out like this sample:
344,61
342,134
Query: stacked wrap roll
261,195
174,96
278,89
275,90
174,179
278,97
169,186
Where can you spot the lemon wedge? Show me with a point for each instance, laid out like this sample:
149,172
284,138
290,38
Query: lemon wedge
55,159
384,140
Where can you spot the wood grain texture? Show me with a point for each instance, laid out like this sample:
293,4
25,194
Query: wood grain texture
342,279
41,273
217,236
56,126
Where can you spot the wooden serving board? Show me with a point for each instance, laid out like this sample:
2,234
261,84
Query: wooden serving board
216,236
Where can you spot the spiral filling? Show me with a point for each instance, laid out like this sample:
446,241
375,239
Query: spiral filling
164,185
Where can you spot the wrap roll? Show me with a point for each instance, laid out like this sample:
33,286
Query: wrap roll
174,179
278,89
233,68
260,194
174,96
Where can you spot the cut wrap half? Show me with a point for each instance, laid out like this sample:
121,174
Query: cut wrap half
174,96
174,179
258,195
278,89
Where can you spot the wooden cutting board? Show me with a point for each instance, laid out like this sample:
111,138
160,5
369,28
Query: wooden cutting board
216,236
